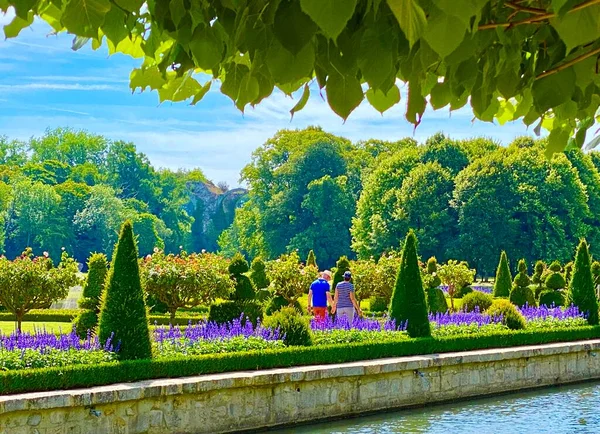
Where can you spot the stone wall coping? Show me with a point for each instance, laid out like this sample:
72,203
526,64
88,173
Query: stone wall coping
122,392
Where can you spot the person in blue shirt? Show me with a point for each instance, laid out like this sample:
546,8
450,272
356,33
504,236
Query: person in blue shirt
319,296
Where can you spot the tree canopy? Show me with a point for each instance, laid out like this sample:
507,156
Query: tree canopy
529,60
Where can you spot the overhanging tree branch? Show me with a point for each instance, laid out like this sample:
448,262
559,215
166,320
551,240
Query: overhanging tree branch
569,63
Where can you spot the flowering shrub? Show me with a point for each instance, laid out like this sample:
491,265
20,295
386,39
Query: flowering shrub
289,278
185,280
33,282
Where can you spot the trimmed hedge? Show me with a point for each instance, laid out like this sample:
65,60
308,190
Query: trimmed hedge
227,311
76,376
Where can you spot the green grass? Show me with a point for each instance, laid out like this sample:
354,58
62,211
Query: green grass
7,327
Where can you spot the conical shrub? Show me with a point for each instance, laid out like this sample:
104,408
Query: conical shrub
311,261
503,282
581,291
123,313
342,266
92,291
408,299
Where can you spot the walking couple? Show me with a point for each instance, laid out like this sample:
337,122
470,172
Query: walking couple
343,302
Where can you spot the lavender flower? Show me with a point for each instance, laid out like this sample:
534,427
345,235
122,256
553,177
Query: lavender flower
543,312
361,324
463,318
43,341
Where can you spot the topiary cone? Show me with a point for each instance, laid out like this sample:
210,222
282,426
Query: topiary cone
123,311
581,291
311,261
503,282
342,266
408,299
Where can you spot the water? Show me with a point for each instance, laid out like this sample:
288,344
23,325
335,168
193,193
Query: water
557,410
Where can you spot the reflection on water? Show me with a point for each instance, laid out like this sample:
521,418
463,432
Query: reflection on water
557,410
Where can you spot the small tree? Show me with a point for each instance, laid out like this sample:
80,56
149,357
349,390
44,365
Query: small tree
537,278
32,282
408,299
387,271
365,278
92,293
258,274
342,265
455,275
289,279
311,261
185,280
503,282
521,293
581,288
555,280
123,312
243,286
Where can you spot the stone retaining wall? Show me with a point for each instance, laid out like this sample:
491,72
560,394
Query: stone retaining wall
247,400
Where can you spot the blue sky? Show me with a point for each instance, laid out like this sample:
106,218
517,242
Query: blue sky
44,84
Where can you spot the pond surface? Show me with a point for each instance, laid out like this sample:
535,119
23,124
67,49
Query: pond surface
556,410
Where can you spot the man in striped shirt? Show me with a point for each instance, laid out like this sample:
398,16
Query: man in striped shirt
344,302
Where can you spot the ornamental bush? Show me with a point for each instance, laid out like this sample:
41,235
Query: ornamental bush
91,294
568,272
123,317
341,266
521,295
551,297
258,274
503,282
378,304
228,311
430,277
289,278
292,325
555,280
582,292
408,299
311,260
538,272
511,317
477,299
465,290
436,300
596,272
243,286
277,302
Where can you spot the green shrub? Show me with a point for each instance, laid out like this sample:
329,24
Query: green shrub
86,320
295,327
431,278
436,300
538,271
277,302
477,299
521,295
243,286
463,291
229,310
568,272
123,312
549,297
596,272
83,376
44,315
503,282
582,292
378,304
555,281
555,267
258,274
512,318
311,261
408,299
342,265
155,305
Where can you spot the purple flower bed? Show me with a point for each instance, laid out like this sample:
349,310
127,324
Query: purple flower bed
464,318
361,324
42,341
205,330
543,312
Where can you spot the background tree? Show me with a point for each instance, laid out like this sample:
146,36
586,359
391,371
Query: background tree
289,279
123,318
455,275
408,299
365,277
582,292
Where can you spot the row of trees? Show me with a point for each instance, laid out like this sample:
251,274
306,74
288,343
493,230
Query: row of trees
74,189
469,199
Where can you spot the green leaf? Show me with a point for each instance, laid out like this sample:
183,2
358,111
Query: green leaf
301,102
130,5
292,27
579,27
557,140
13,29
203,91
178,11
147,77
22,7
52,15
416,103
344,94
462,9
179,89
206,47
249,89
444,33
286,67
79,42
411,18
234,78
114,26
562,6
383,101
440,96
553,90
330,15
375,58
84,17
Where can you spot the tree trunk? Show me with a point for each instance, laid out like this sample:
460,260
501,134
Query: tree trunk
172,318
19,319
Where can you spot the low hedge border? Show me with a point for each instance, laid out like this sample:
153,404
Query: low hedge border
67,315
36,380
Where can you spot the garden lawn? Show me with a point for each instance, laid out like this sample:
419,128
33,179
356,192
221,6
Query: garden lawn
7,327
